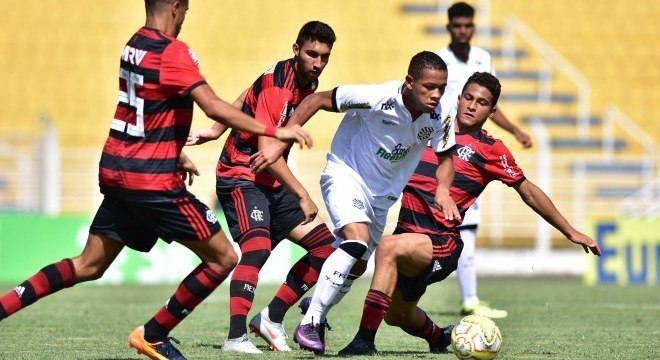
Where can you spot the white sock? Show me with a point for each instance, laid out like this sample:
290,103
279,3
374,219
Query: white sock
467,270
332,279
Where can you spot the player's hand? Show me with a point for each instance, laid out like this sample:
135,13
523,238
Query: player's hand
294,133
198,137
309,209
266,156
446,204
586,242
187,169
523,138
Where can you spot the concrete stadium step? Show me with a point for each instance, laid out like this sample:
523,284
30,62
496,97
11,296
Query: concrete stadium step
518,75
442,30
563,98
618,167
574,143
615,192
560,120
422,8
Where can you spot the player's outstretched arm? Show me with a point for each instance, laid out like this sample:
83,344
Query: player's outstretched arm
305,110
309,106
201,136
536,199
444,176
221,111
502,121
281,171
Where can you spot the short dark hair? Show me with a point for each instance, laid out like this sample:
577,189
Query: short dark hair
425,60
487,80
460,9
316,31
153,6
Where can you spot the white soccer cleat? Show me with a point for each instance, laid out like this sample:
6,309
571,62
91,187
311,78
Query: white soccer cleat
240,345
270,331
484,309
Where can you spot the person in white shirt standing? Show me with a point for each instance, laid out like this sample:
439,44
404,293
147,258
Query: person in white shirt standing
373,154
463,60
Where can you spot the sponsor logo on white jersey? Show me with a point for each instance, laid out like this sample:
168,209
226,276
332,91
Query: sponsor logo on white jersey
425,133
358,204
389,105
351,105
398,154
465,153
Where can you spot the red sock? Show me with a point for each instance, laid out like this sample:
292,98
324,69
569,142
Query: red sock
375,308
429,331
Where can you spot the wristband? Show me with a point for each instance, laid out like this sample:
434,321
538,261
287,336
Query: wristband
270,130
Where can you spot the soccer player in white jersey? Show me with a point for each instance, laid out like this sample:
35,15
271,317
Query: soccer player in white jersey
463,60
373,154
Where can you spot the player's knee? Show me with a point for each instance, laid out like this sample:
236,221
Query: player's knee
387,249
88,269
226,261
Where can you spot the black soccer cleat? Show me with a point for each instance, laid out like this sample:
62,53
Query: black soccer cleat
358,346
440,346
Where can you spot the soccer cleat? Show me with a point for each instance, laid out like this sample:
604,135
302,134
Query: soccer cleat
304,305
440,346
359,346
307,336
240,345
163,350
270,331
482,308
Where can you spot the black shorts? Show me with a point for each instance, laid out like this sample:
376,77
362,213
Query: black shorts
139,224
247,206
446,251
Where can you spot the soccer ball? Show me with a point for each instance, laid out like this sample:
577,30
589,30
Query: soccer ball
476,337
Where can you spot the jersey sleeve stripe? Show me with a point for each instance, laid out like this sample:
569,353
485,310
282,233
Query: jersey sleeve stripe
447,151
335,107
193,87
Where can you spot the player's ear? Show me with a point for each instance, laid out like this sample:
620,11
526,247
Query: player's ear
296,50
176,7
409,81
492,112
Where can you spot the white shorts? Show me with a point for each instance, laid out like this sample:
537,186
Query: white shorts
347,202
472,216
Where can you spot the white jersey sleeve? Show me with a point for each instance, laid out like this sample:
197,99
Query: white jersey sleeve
356,98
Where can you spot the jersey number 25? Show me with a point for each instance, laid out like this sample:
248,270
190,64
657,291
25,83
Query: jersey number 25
129,97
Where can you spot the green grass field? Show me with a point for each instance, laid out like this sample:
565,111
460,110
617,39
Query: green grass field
549,318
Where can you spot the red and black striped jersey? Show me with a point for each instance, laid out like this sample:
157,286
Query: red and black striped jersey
272,98
478,160
153,117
